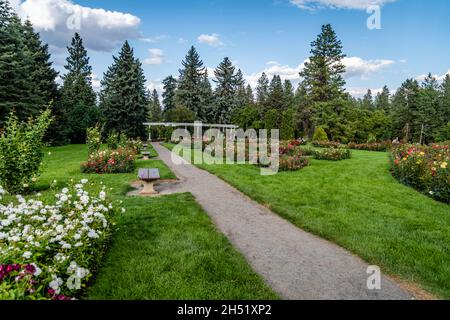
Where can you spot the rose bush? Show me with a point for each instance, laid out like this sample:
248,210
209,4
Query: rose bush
110,161
326,144
50,251
375,146
333,154
426,169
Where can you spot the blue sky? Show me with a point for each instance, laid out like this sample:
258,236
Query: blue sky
258,35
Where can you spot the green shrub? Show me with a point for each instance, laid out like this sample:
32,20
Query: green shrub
112,140
94,139
333,154
22,151
320,135
327,144
293,163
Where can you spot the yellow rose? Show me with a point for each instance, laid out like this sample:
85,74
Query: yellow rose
444,165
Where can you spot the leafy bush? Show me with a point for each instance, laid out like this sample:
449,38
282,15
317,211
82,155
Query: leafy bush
376,146
22,151
112,140
308,151
320,135
110,161
326,144
426,169
333,154
293,163
49,251
94,139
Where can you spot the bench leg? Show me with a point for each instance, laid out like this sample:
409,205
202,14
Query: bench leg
145,158
148,189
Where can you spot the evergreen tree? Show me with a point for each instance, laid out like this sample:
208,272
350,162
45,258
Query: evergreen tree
155,110
206,112
427,113
123,97
322,75
15,67
262,93
288,94
276,93
78,99
405,105
189,93
443,132
367,101
382,101
241,90
226,101
169,94
250,97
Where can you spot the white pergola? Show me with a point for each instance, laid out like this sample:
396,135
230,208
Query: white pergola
188,125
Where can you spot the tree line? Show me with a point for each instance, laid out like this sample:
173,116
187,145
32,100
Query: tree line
416,112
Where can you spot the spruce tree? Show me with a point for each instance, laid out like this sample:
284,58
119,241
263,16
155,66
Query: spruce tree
123,98
206,112
276,94
15,67
249,93
367,101
155,110
323,73
288,94
405,106
78,99
382,101
189,93
262,93
427,113
226,101
241,90
169,87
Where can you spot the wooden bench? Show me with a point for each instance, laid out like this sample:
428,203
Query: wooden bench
148,177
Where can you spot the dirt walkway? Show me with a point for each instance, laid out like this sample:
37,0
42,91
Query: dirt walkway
294,263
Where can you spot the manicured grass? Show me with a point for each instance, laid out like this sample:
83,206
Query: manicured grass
167,248
357,204
163,248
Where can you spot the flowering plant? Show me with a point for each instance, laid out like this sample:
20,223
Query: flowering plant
326,144
333,154
110,161
375,146
426,169
48,251
94,139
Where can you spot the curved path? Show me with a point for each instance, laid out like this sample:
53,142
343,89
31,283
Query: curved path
296,264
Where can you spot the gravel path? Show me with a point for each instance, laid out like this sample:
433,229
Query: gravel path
296,264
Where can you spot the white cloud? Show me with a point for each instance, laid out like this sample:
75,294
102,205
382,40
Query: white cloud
96,84
210,39
58,20
338,4
439,78
155,84
357,67
156,57
154,39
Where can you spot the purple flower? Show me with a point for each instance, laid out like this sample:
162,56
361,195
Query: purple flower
29,268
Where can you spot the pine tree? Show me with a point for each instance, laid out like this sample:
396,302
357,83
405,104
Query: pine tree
170,87
206,112
249,93
367,101
189,93
276,94
382,101
322,75
288,94
226,101
427,113
241,90
123,98
155,110
78,99
262,93
15,67
405,105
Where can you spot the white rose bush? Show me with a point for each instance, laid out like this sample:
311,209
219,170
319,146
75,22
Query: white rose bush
50,251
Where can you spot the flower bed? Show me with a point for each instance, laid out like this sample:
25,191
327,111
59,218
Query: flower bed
50,251
377,146
293,163
110,161
326,144
426,169
333,154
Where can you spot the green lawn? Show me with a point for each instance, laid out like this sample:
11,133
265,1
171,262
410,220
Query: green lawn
357,204
164,248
